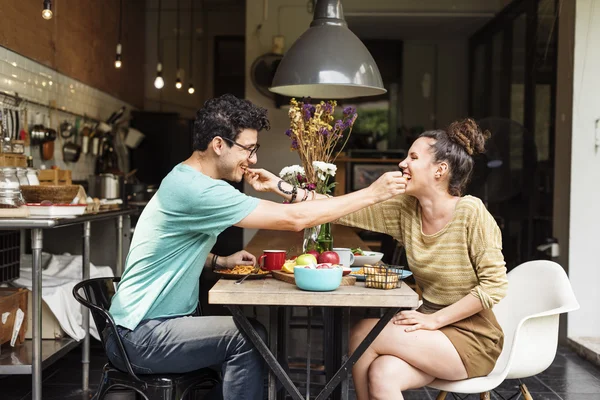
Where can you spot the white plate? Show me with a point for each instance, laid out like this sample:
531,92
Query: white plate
370,257
56,210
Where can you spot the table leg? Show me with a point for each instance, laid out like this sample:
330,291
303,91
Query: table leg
36,278
273,343
119,267
308,350
345,328
262,348
345,368
85,357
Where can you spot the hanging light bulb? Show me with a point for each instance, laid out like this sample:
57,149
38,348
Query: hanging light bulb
178,83
47,11
159,81
191,89
118,61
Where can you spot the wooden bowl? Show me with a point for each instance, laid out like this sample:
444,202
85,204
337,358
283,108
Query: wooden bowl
58,194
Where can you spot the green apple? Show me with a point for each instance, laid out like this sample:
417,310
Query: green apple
306,259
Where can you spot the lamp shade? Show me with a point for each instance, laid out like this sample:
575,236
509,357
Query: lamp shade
328,60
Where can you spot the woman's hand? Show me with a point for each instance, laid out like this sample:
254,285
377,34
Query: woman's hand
388,185
240,258
416,320
261,180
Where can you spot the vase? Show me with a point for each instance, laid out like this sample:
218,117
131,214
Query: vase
318,238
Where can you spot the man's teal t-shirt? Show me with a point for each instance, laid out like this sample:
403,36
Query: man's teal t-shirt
171,242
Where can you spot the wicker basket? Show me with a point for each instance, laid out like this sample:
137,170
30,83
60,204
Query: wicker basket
382,277
57,194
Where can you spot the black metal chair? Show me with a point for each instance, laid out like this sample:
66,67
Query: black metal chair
98,293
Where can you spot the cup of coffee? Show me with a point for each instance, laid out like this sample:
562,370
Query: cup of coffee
272,260
346,256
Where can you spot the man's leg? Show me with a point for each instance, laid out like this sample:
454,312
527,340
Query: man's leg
188,343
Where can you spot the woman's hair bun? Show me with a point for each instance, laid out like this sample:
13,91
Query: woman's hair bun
468,135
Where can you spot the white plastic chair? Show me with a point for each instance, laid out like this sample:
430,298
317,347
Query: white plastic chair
538,292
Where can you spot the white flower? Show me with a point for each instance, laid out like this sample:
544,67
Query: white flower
291,172
325,169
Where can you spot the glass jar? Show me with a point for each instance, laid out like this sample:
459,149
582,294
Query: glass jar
10,194
22,176
32,176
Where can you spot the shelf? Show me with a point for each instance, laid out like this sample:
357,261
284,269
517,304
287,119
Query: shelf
18,360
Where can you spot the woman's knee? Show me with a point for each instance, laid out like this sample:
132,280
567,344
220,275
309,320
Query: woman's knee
382,378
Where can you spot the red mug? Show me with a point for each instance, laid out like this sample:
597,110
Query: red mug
272,260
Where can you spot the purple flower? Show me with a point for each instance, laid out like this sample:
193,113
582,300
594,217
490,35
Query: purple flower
300,178
327,108
339,125
288,133
324,131
311,186
294,144
349,111
308,110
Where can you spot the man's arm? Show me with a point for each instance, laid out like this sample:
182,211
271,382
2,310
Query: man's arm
295,217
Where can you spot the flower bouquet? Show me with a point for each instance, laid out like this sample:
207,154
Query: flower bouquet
318,138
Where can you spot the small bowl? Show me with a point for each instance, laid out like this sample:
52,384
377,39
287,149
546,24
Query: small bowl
317,280
370,257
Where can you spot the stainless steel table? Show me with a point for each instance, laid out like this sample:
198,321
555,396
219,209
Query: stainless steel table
34,355
275,293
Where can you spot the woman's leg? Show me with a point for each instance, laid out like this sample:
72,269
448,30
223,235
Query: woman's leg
428,351
389,376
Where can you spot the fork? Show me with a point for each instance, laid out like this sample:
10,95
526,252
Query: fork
254,271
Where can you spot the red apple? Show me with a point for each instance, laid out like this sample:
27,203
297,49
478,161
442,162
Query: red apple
329,257
314,253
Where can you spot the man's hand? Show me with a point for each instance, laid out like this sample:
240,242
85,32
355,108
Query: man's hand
261,180
388,185
240,258
416,320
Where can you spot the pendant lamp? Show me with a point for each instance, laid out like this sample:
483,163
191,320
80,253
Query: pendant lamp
328,61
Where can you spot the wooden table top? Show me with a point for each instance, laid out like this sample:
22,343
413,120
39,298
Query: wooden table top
272,292
343,236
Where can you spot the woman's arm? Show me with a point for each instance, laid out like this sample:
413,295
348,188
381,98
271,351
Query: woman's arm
465,307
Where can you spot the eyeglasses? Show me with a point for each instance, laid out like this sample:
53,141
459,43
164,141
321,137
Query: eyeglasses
252,149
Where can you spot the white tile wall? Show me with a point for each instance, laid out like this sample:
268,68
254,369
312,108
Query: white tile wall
36,82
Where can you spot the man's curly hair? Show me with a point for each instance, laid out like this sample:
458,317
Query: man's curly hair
227,116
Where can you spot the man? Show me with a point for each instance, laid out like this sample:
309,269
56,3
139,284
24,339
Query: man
158,294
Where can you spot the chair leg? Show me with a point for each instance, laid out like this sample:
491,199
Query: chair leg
441,395
484,396
525,392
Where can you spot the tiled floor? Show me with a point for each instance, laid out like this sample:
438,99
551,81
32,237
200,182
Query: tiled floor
569,378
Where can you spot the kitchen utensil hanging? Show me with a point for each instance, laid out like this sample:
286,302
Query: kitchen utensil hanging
71,150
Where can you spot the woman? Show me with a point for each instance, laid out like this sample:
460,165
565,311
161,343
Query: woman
454,248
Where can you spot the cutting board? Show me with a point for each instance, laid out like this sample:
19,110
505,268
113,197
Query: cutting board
289,278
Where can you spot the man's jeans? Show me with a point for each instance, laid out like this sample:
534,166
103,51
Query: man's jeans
183,344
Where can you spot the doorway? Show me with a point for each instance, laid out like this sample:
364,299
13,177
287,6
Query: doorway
512,63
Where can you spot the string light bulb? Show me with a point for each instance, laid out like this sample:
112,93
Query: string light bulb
191,89
47,11
178,84
159,81
118,61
